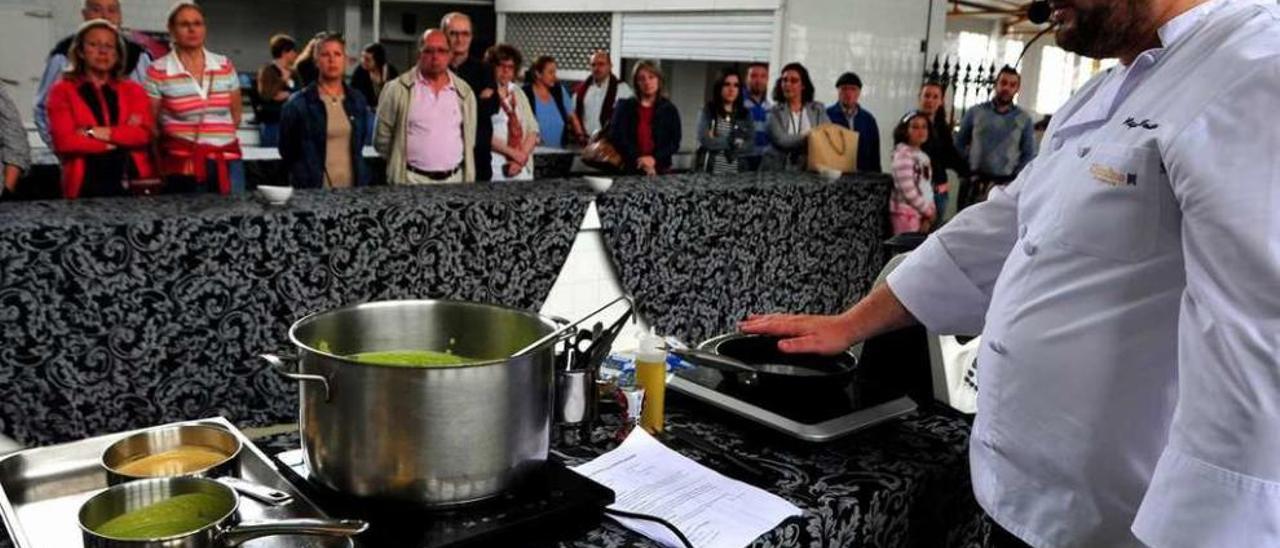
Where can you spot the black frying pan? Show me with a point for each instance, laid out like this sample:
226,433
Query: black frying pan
754,360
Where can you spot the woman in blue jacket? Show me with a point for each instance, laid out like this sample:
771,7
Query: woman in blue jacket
323,127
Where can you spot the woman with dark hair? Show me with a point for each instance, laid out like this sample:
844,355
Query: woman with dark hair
323,129
551,103
724,127
196,97
911,207
645,129
100,123
515,129
373,72
794,115
941,146
276,83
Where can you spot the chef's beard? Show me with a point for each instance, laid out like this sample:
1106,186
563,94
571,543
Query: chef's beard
1105,29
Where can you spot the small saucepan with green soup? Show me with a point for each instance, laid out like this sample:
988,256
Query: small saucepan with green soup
185,512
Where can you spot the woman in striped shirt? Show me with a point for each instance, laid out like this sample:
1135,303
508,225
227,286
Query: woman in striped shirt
911,208
725,127
196,97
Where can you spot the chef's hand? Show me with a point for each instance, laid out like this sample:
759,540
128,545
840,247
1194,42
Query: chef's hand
878,312
804,333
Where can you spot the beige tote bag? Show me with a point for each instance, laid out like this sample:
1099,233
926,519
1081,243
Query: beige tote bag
834,147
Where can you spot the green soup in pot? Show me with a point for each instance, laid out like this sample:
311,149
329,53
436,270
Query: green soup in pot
177,515
411,358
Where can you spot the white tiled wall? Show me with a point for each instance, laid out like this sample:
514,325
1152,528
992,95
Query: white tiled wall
587,281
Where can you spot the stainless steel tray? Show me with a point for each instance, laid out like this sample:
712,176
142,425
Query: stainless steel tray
41,491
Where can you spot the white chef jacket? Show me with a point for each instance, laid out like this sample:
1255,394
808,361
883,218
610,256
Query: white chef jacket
1127,286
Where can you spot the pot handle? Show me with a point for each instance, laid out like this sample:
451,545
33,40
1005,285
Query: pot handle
245,532
277,363
747,374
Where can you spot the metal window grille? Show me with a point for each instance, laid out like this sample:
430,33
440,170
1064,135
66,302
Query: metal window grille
569,37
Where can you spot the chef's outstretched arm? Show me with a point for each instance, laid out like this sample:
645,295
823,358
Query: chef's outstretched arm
879,312
945,284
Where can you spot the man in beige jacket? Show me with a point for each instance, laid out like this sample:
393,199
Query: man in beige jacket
427,121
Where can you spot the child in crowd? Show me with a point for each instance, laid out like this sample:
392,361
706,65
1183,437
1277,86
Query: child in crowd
911,208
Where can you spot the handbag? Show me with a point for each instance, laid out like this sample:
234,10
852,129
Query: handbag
834,147
601,154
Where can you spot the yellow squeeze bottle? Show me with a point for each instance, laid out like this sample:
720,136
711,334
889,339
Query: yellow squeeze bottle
651,374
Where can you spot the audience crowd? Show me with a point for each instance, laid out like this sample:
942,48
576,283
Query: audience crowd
121,122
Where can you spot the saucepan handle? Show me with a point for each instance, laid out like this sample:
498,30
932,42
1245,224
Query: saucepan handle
277,363
245,532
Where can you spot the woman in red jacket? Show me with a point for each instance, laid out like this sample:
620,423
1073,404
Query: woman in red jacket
101,123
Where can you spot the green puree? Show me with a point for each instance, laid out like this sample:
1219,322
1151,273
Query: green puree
411,358
174,516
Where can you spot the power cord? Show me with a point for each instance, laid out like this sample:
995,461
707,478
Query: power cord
683,539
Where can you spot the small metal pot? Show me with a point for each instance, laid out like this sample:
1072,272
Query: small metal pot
158,440
223,531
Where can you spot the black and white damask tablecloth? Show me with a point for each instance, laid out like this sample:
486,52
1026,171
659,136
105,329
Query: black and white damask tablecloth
904,483
124,313
700,252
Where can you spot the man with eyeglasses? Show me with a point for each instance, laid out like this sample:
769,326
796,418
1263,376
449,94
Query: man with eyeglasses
458,29
426,125
135,63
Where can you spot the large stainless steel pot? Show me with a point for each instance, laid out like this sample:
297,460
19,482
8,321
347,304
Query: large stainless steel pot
434,436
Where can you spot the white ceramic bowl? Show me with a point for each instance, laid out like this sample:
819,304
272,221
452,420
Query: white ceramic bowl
599,184
275,195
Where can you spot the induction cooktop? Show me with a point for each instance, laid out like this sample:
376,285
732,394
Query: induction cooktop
819,414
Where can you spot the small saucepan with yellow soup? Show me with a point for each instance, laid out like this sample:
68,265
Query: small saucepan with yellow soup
198,450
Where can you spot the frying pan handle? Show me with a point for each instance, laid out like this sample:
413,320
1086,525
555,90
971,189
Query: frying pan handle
245,532
746,374
277,363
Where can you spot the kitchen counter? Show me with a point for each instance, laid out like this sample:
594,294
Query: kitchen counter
904,483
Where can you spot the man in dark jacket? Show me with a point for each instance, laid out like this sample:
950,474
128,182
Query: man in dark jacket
847,113
457,27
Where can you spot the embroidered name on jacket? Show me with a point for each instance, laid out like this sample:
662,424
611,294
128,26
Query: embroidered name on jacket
1113,177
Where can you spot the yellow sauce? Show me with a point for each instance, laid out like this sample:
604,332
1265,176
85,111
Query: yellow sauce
181,460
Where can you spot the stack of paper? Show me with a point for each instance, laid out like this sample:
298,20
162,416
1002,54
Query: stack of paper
713,511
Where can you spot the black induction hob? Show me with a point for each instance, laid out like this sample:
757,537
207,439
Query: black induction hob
557,504
823,413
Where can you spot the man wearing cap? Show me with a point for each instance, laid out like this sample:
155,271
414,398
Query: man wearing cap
847,113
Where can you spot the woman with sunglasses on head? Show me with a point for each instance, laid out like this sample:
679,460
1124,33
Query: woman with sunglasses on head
724,127
794,115
195,94
100,122
323,128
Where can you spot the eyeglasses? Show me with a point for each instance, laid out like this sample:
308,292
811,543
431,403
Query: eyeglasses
100,46
437,51
792,80
458,33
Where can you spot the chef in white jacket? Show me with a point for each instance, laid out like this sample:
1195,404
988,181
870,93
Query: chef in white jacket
1127,287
